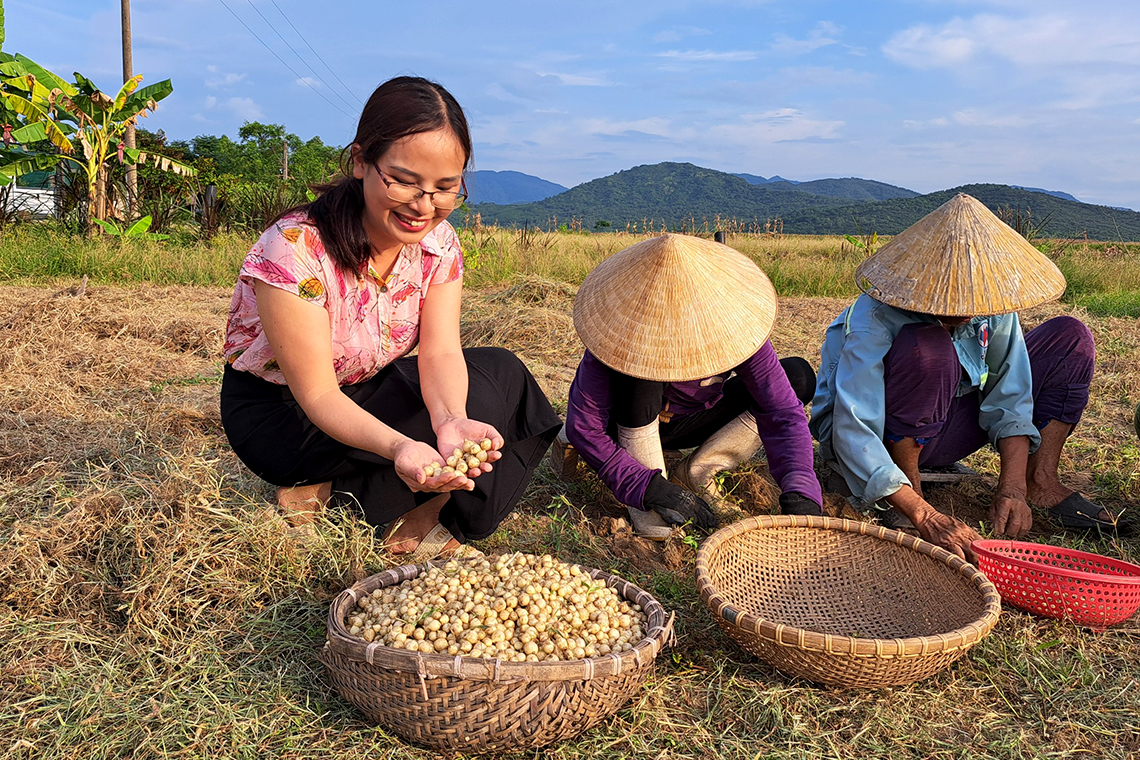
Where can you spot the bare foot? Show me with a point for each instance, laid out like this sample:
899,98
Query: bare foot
1045,491
301,503
407,531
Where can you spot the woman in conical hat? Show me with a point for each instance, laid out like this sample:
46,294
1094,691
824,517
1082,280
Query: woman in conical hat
930,364
672,361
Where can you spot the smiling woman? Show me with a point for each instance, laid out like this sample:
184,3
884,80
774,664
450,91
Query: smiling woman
319,397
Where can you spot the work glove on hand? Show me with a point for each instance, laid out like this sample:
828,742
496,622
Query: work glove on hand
792,503
676,505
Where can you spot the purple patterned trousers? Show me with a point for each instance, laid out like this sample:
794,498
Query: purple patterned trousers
921,374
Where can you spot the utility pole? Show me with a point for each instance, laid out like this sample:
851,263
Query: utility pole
285,159
129,138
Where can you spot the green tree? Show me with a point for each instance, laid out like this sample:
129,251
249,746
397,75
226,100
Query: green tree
259,155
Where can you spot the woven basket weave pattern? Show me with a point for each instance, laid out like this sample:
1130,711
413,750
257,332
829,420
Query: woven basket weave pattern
480,716
842,602
483,705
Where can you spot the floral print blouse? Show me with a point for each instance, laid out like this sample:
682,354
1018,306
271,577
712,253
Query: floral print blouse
373,321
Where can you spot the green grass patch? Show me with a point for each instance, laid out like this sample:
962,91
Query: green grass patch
1125,303
41,252
1102,277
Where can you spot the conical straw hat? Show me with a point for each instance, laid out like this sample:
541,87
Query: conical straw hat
675,308
960,261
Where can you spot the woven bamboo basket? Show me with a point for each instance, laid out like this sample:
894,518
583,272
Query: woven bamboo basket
465,704
843,602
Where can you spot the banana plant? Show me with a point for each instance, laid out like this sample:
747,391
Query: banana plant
140,229
25,120
76,115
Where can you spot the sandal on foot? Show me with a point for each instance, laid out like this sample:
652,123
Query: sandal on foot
1075,512
432,546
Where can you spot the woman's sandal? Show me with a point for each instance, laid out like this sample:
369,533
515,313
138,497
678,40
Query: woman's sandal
1075,512
432,546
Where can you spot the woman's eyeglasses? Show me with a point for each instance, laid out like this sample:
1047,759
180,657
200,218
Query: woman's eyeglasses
401,192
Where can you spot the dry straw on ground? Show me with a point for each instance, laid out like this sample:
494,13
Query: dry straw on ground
153,604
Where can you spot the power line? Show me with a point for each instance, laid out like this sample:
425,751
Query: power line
279,58
296,54
318,55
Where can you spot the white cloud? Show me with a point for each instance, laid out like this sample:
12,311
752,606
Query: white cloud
678,34
1046,40
244,108
211,101
822,76
970,117
1089,90
786,124
1069,58
576,80
498,92
657,126
941,121
307,82
974,117
709,55
825,33
924,47
225,80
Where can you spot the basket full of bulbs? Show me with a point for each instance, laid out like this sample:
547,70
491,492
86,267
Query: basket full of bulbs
492,654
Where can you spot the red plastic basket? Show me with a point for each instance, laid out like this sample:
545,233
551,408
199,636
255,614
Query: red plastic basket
1052,581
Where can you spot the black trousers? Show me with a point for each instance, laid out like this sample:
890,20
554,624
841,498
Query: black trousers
271,434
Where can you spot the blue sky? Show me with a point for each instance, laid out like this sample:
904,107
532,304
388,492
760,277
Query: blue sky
926,94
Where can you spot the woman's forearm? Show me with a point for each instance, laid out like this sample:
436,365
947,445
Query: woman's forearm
443,382
299,335
342,419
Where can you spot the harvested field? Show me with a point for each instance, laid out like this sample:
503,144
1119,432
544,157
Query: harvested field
154,604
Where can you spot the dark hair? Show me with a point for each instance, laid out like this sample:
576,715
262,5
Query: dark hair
397,108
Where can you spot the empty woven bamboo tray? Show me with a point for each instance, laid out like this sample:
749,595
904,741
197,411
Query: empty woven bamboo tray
843,602
474,705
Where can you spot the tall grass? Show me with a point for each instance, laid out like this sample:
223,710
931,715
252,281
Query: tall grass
1102,277
43,252
803,265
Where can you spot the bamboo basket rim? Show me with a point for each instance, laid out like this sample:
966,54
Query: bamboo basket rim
659,633
959,639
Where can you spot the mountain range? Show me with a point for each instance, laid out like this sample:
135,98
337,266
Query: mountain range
508,187
849,187
675,194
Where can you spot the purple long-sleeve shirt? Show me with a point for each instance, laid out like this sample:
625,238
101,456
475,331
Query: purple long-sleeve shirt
779,417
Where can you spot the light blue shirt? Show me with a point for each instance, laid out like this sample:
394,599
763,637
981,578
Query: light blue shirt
849,409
